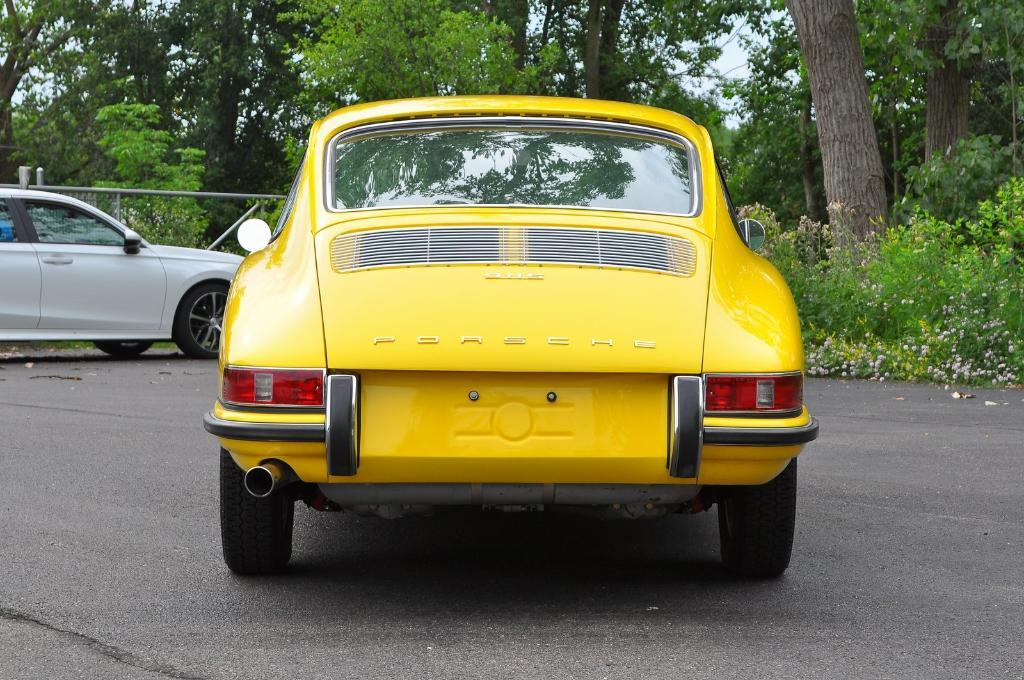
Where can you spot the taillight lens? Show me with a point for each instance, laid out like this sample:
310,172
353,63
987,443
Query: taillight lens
273,386
752,393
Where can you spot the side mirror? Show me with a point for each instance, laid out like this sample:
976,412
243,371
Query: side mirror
753,233
253,235
132,242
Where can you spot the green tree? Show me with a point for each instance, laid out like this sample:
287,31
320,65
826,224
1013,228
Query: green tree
363,50
146,157
119,54
943,78
236,95
32,36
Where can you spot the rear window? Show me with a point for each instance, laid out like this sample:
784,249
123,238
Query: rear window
511,165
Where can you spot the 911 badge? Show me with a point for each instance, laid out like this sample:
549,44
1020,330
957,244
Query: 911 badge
514,276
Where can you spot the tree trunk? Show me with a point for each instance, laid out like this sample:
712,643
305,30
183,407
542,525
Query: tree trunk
609,48
854,179
897,179
806,160
516,15
948,89
1012,64
519,19
8,167
548,7
592,53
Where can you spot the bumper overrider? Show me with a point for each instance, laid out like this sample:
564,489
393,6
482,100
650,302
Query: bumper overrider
340,429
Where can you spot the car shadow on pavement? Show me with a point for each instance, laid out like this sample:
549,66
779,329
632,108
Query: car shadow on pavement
519,567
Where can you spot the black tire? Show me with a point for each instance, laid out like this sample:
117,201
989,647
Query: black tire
122,348
198,321
256,533
756,525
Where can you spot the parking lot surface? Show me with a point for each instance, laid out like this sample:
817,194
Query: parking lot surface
909,556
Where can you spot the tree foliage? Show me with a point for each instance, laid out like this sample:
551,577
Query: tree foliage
145,157
241,80
363,50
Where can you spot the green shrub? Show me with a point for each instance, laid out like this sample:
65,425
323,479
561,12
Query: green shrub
952,187
929,300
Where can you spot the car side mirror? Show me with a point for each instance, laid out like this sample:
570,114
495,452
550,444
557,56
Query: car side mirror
132,242
253,235
753,233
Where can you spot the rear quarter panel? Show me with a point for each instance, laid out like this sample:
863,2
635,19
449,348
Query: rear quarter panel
280,323
752,323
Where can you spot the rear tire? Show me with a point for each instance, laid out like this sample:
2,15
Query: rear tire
199,320
256,533
122,348
756,526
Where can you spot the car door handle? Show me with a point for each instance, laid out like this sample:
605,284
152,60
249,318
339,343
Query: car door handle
57,259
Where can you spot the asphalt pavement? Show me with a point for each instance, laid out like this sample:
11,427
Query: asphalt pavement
908,563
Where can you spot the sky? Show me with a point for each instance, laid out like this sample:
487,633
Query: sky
731,64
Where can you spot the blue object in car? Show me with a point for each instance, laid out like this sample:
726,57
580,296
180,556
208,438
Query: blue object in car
6,231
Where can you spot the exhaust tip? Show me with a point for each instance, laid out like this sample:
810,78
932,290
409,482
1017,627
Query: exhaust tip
261,480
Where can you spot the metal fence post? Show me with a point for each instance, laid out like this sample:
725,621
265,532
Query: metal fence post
117,207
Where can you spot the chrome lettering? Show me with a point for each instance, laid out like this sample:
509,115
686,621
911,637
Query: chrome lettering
519,276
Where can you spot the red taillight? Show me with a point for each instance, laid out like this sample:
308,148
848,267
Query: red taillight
752,393
273,386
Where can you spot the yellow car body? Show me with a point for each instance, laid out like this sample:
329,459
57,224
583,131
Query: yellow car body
421,340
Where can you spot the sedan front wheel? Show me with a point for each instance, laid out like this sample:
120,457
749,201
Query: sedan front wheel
199,321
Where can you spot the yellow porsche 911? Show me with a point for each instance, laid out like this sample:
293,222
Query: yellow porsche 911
515,303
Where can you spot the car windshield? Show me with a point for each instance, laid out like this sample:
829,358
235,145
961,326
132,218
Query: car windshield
492,165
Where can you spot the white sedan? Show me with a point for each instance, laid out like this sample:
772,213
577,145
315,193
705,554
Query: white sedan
71,272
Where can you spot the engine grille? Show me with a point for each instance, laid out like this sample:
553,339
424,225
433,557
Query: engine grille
427,246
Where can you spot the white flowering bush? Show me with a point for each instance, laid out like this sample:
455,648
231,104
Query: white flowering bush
929,300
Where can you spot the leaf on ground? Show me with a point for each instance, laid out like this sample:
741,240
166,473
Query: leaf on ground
962,395
991,403
58,377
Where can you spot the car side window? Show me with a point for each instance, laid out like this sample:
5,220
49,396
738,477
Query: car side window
289,202
7,230
56,223
728,200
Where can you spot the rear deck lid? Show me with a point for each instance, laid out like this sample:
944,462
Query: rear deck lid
505,290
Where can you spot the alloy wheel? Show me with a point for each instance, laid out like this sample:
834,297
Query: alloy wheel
206,318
